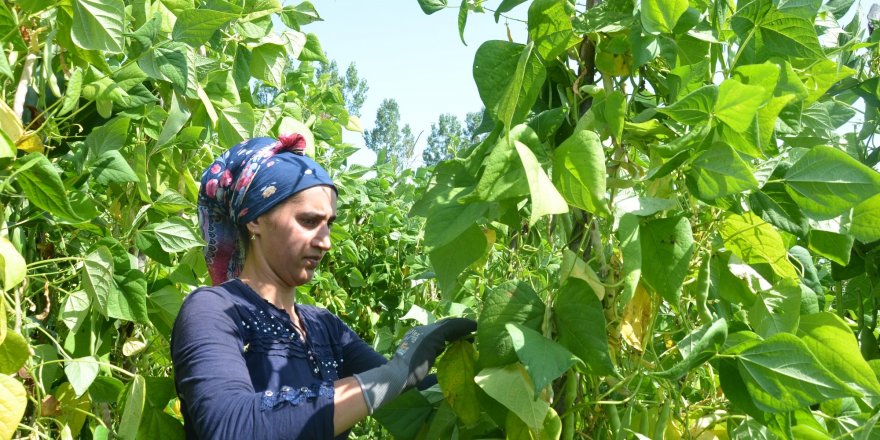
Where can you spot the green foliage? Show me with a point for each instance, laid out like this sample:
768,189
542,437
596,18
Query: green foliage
700,173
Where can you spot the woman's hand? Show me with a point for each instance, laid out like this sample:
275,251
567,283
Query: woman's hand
412,360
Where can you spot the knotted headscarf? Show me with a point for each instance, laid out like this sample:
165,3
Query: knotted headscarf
242,184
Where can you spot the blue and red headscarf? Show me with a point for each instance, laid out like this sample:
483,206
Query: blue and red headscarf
243,183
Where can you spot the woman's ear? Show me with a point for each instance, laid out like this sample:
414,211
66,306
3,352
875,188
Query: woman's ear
253,227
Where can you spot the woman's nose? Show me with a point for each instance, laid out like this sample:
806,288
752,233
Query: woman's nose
322,240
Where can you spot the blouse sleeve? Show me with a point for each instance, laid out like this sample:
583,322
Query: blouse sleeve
214,385
356,354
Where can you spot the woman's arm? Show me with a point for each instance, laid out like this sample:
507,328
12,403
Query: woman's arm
350,404
214,383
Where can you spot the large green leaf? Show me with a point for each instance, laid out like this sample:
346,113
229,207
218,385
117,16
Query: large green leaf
163,306
698,347
99,24
169,63
667,246
454,257
13,402
13,268
174,235
776,311
720,172
404,416
827,181
511,302
865,224
819,76
81,372
660,16
550,28
765,31
449,220
505,6
546,200
295,16
509,77
775,206
544,359
738,104
755,241
178,116
455,373
631,251
155,421
236,123
75,310
504,176
97,276
268,62
781,374
432,6
311,50
43,187
129,301
108,137
833,343
580,322
111,167
523,88
195,26
579,171
695,108
831,245
134,409
14,352
510,386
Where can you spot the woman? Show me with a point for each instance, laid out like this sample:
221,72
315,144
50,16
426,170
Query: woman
249,362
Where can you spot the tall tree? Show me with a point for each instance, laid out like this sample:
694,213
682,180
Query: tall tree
387,138
472,123
446,137
354,88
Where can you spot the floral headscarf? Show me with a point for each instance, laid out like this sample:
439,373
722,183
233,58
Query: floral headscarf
243,183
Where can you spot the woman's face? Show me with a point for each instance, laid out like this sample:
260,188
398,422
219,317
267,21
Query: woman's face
292,237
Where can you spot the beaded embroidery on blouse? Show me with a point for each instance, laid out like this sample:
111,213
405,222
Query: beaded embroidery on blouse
294,397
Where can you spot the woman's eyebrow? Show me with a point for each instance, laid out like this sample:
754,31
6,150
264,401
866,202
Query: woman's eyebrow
317,215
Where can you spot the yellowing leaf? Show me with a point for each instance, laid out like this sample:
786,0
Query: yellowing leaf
10,123
354,124
13,401
455,373
636,318
574,266
12,265
30,143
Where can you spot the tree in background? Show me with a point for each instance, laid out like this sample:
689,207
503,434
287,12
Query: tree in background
447,135
354,88
472,123
387,139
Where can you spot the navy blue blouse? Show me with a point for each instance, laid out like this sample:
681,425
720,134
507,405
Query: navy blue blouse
243,371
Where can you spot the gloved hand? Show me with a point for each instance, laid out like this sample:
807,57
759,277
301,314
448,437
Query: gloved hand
413,358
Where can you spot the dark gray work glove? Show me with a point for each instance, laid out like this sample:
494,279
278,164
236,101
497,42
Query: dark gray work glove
413,358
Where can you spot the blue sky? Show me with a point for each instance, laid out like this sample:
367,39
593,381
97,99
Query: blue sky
417,59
